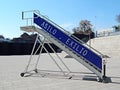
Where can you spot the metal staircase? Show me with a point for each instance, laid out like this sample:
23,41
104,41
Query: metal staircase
82,52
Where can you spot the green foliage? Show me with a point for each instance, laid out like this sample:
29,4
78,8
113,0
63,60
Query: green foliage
84,25
117,28
118,18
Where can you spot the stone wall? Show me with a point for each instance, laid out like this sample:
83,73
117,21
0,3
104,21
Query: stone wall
109,45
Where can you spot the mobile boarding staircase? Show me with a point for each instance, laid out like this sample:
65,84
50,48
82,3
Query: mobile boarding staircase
82,52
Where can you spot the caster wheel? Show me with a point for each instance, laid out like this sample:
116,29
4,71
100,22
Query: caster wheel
36,71
70,77
22,74
99,79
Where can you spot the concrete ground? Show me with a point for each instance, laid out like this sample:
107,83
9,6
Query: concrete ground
12,66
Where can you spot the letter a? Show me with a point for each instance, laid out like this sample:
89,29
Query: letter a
43,24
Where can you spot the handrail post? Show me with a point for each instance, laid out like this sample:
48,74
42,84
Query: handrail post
22,15
104,68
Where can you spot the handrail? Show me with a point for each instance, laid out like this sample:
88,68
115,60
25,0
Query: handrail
71,35
68,33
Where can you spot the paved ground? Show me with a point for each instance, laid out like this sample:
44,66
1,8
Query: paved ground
12,66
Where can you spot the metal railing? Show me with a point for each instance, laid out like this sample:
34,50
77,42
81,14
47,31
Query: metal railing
30,19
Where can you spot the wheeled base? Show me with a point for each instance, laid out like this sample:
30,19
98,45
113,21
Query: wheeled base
104,80
23,74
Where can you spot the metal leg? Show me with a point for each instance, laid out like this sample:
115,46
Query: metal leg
31,53
59,58
53,59
42,45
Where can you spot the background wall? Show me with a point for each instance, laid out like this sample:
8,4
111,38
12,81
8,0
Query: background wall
109,45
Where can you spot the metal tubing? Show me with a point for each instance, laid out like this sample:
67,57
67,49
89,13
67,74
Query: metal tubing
22,15
37,11
39,54
54,60
59,57
31,54
104,69
103,77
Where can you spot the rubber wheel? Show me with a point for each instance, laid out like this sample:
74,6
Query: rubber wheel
99,79
36,71
70,77
22,74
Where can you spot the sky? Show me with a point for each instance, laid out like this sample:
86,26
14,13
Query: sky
66,13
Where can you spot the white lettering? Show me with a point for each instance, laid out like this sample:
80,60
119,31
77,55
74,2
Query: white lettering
46,25
81,50
48,28
54,31
77,48
74,46
68,40
71,43
85,52
43,24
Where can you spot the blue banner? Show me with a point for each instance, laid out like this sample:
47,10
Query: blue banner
81,50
